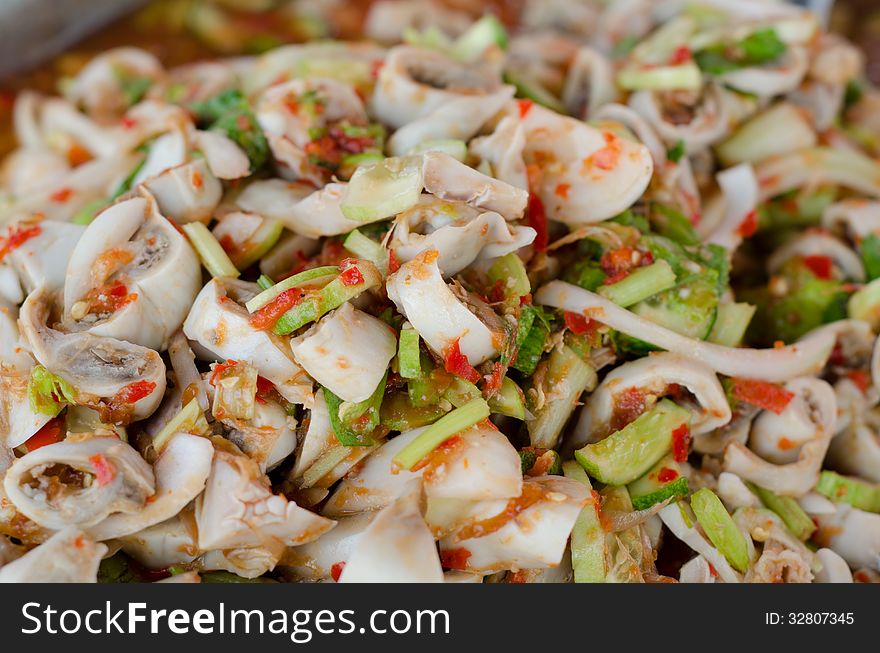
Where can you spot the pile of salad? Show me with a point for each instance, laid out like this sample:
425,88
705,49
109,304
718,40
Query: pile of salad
589,298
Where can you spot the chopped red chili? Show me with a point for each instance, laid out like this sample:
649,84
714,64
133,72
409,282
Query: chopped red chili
861,379
134,392
524,107
579,324
667,474
219,368
681,55
749,225
109,298
393,263
537,219
336,571
51,432
16,236
681,443
617,264
821,266
455,558
61,195
762,394
103,468
457,363
268,315
350,275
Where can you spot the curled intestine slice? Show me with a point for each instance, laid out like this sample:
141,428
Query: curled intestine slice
739,188
816,243
69,556
857,218
809,420
43,259
503,151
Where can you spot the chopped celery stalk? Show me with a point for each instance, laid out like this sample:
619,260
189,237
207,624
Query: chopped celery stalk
548,462
780,129
364,416
731,322
324,465
527,458
627,454
511,272
453,147
313,276
587,536
789,510
460,391
48,393
530,88
384,189
346,435
444,428
190,419
567,377
846,489
215,260
399,414
355,160
508,400
408,353
642,283
534,327
686,76
720,528
622,547
333,295
367,248
865,304
484,33
258,244
662,481
265,282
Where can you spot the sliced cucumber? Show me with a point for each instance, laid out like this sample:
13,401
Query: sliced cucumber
312,277
690,309
408,359
511,272
587,536
662,481
453,147
789,510
383,189
484,33
629,453
846,489
720,528
509,400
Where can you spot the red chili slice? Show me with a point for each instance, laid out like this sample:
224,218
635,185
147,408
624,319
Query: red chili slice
50,433
681,443
762,394
821,266
457,363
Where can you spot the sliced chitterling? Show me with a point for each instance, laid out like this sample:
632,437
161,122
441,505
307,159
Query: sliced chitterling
69,556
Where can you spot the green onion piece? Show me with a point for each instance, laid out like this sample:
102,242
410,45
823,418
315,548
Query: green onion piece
670,223
88,213
511,272
408,353
675,152
444,428
486,32
642,283
789,510
324,465
587,536
568,376
48,393
686,76
847,489
215,260
869,250
190,419
368,249
346,435
530,88
731,322
865,304
509,400
265,282
453,147
629,453
720,528
313,276
381,190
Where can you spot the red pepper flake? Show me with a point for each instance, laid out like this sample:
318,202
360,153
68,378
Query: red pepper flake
516,577
16,237
821,266
666,475
493,381
393,263
134,392
61,195
762,394
837,357
77,155
861,379
457,363
579,324
617,264
712,569
336,571
749,225
681,55
268,315
785,444
104,471
628,405
50,433
219,368
128,123
605,158
562,190
455,558
681,443
537,219
109,298
350,275
196,179
524,107
778,344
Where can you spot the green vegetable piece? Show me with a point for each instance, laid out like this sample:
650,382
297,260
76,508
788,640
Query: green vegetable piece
265,282
534,327
847,489
869,249
675,152
642,283
346,435
689,308
662,481
673,224
509,400
90,211
190,419
313,276
531,89
486,32
865,304
48,393
720,528
685,76
587,536
760,47
231,114
731,324
460,391
399,414
213,257
510,271
789,510
408,353
444,428
629,453
527,458
381,190
368,249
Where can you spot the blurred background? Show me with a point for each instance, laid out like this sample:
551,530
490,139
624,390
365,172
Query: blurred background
42,41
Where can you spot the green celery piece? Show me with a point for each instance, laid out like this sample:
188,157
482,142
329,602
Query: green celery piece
260,242
88,213
48,393
648,490
383,189
847,489
346,435
788,510
364,416
444,428
366,248
864,304
529,88
675,152
508,400
629,453
190,419
731,323
331,296
461,391
586,274
622,547
511,272
527,458
399,414
569,376
408,354
534,327
312,276
480,35
641,284
265,282
673,224
720,528
684,76
587,536
869,249
212,255
325,464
